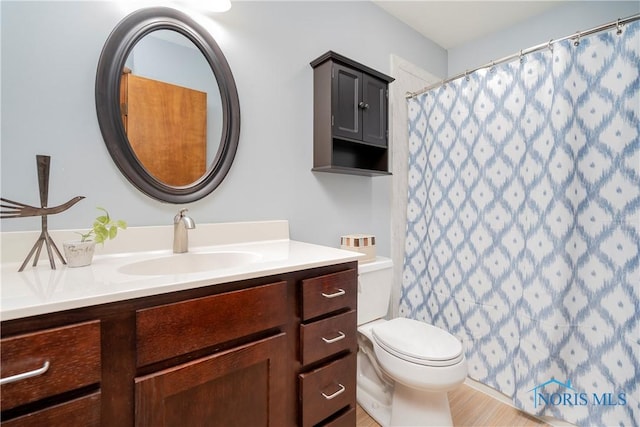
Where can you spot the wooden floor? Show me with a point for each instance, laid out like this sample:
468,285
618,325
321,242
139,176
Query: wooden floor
470,407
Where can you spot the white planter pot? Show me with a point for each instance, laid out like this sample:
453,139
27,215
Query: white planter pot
78,253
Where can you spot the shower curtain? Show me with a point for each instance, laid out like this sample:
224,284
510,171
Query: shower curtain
523,234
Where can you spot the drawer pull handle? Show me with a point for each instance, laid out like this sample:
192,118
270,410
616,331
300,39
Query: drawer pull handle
25,375
335,294
336,394
340,336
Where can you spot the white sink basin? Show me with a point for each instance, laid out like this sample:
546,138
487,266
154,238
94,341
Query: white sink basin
190,262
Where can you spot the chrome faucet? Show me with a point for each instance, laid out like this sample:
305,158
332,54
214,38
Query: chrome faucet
182,223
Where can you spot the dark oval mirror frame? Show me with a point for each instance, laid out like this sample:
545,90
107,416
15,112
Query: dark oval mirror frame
107,92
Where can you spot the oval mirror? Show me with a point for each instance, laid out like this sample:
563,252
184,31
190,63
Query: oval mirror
167,105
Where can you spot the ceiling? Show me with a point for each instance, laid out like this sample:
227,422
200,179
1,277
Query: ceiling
452,23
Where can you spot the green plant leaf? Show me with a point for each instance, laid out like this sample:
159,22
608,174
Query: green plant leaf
104,228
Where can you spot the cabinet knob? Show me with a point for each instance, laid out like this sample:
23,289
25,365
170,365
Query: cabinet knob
363,105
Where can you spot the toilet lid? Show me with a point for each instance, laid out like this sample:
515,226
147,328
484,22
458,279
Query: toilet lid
418,342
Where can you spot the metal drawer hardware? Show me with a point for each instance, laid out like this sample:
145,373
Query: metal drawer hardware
25,375
335,294
340,336
336,394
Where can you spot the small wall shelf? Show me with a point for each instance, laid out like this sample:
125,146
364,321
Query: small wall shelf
350,124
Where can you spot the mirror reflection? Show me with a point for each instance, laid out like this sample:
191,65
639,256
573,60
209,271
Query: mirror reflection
170,107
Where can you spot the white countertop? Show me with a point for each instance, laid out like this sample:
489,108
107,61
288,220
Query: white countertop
40,290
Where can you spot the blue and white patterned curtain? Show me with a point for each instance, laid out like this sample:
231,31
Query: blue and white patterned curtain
523,235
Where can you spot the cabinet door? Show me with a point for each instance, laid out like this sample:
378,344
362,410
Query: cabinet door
239,387
374,111
345,98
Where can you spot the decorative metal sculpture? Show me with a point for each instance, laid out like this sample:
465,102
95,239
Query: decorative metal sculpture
19,210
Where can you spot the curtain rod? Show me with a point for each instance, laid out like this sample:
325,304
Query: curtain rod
575,36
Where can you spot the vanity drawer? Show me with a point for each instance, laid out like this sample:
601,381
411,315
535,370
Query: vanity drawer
326,337
346,419
174,329
81,412
324,294
327,390
61,359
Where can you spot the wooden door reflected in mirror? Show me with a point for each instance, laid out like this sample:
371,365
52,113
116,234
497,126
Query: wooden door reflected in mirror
166,125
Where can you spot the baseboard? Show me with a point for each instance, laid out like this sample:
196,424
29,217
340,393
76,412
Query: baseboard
502,398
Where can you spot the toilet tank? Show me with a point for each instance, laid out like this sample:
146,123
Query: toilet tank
374,289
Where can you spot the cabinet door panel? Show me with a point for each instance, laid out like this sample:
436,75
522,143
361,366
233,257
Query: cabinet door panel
239,387
347,115
374,115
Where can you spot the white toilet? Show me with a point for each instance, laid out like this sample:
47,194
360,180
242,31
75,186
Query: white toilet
405,367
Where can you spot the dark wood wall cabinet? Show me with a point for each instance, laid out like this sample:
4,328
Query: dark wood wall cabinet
350,124
273,351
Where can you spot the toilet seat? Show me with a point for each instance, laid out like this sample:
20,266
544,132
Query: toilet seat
418,342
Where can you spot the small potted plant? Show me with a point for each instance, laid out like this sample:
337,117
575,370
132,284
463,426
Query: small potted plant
80,253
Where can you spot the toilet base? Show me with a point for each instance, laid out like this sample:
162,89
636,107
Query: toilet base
376,409
397,404
372,393
413,407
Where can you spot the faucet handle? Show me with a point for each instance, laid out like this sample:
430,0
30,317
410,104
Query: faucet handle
180,215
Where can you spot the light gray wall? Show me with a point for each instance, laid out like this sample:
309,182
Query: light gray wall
566,19
50,51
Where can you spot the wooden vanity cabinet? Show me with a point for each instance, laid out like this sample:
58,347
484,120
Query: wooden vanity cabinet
240,386
351,124
233,354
